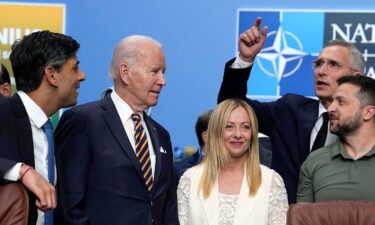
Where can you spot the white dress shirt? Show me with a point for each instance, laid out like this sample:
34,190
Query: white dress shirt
125,113
40,144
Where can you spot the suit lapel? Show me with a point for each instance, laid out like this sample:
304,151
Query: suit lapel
310,114
23,129
155,144
113,121
211,205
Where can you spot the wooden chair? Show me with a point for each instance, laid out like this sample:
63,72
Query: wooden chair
14,204
332,213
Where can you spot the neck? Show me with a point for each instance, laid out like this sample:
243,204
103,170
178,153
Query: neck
45,101
235,164
129,99
360,143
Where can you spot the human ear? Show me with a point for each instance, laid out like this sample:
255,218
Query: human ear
50,75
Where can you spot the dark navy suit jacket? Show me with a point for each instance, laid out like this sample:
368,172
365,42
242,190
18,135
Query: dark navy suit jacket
16,142
288,122
181,166
100,180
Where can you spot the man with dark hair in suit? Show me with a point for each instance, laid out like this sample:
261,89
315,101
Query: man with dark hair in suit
201,131
293,122
5,88
116,162
47,77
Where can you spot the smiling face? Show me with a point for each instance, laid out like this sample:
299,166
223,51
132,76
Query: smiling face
69,78
145,78
237,133
333,62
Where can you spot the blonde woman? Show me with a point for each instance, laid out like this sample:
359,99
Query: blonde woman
230,187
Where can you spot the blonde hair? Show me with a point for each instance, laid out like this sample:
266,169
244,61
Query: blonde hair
216,154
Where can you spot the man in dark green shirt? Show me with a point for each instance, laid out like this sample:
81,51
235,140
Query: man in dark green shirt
344,170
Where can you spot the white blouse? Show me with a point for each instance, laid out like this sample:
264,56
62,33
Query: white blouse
277,205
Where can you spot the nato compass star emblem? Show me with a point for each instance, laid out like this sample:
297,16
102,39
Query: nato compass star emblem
286,49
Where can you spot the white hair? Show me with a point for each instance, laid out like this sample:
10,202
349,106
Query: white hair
128,50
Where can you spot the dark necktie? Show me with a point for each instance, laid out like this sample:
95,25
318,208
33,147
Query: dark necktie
48,130
142,151
322,134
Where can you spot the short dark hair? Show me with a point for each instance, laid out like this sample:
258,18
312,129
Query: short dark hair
201,125
31,55
4,75
366,93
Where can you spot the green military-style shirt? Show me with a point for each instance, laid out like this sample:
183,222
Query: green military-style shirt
330,173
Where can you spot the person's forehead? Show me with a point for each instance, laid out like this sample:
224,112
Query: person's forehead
346,90
72,60
335,52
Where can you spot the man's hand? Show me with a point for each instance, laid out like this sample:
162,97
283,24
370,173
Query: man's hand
251,41
44,191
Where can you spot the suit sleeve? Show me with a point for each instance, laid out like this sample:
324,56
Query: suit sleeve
234,84
72,161
5,165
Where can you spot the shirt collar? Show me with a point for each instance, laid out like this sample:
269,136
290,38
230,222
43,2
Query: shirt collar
321,109
122,107
339,149
34,112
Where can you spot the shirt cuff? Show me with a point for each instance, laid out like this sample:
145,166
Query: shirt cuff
240,64
13,174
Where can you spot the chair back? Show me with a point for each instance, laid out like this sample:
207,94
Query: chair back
332,213
14,204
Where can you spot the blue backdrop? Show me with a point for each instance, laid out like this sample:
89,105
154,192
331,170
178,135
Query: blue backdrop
198,37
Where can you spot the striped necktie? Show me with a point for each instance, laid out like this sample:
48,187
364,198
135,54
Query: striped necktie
142,151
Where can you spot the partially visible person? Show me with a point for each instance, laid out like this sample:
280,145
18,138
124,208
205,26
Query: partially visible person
265,150
47,75
5,86
296,125
201,132
230,186
344,170
116,162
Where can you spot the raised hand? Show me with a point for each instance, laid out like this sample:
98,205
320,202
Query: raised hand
251,41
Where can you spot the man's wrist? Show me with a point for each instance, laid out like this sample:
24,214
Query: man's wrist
240,64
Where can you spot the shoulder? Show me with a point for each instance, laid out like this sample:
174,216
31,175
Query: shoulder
270,174
318,159
294,98
87,107
187,162
321,154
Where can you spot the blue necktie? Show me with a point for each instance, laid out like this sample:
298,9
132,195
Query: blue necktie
48,130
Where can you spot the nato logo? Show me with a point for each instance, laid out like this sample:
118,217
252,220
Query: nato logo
294,40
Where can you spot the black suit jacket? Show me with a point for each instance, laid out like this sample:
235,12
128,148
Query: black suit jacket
288,122
16,142
100,180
